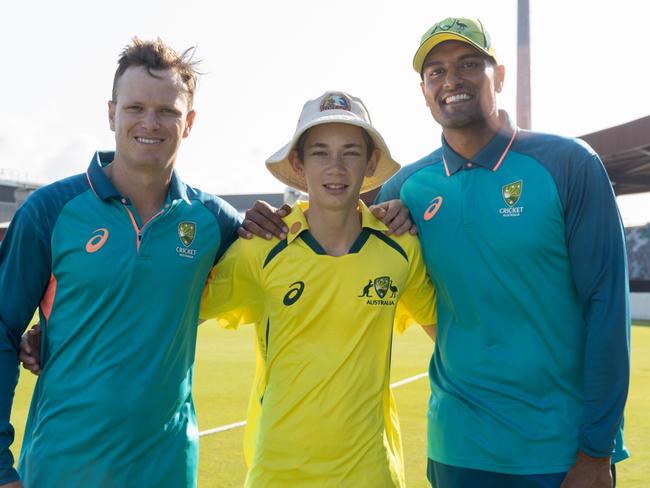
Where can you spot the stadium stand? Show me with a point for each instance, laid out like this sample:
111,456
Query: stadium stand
14,189
638,255
625,150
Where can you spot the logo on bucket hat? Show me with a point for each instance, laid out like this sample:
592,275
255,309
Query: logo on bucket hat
335,101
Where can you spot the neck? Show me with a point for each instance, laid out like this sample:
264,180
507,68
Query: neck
146,190
468,141
335,230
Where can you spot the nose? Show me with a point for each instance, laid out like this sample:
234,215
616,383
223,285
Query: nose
452,78
150,120
336,165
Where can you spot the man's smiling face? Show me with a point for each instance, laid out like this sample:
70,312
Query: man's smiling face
150,117
460,85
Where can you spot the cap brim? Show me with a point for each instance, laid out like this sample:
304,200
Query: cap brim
280,167
426,47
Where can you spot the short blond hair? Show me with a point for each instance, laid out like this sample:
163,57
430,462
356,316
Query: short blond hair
156,55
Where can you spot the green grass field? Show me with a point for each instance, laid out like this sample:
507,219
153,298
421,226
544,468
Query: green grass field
224,372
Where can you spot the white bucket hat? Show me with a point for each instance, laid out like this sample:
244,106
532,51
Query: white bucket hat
333,107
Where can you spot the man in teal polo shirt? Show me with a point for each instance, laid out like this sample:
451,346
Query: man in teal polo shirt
116,260
522,238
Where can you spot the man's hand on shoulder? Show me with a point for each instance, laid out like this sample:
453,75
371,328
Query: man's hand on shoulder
396,216
30,351
264,221
589,472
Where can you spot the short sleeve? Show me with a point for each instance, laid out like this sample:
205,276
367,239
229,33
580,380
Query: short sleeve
417,303
233,292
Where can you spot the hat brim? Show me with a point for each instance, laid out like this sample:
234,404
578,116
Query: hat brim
280,167
426,47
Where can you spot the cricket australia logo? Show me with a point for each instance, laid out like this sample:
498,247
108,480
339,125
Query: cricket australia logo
187,234
381,287
511,194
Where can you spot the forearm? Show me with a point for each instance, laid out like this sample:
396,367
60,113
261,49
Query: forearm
25,268
8,381
606,374
607,354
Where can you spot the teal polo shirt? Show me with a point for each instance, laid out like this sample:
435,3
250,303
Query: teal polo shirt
525,246
119,302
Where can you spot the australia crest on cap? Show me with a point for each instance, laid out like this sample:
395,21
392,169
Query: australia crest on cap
336,101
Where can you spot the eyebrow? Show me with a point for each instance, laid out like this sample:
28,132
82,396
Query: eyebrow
323,145
461,58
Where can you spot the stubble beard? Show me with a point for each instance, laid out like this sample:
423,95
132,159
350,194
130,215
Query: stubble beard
471,119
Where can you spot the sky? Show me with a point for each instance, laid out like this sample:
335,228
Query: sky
263,59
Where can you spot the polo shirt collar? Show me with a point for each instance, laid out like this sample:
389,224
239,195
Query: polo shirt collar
178,189
492,154
297,222
104,189
99,182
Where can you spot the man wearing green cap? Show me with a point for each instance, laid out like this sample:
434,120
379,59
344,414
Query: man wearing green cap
523,240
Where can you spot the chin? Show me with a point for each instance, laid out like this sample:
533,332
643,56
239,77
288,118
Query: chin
329,202
461,121
152,162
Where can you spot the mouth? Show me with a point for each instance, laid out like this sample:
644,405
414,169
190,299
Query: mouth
148,141
335,188
456,98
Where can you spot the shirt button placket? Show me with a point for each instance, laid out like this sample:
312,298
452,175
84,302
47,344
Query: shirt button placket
468,198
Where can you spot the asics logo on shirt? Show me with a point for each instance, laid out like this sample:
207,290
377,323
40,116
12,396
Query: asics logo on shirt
97,241
432,209
294,293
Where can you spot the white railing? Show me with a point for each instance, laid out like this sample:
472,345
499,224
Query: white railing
24,177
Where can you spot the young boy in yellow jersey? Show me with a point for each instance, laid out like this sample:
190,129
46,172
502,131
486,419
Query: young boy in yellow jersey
324,302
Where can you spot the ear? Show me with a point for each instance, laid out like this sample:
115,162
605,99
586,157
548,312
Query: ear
422,88
372,162
189,122
111,115
296,163
499,77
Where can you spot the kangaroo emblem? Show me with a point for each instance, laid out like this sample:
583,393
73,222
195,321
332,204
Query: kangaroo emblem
366,289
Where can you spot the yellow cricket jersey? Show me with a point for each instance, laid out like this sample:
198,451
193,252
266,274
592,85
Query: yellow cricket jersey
321,411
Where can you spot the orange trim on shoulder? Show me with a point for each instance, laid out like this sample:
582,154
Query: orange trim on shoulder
48,298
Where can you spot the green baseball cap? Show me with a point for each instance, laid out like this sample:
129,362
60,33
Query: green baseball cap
463,29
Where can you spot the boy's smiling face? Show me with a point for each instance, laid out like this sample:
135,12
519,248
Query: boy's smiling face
334,162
